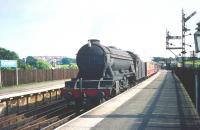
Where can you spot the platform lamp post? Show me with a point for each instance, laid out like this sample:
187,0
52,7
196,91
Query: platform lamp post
197,38
197,49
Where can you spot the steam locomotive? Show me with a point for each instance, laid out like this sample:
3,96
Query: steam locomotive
105,72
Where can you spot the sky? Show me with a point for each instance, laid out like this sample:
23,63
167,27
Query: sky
61,27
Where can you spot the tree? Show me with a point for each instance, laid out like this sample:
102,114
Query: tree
43,65
22,64
73,66
64,66
31,61
65,61
8,55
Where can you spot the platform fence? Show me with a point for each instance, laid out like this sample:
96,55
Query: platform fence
8,77
187,77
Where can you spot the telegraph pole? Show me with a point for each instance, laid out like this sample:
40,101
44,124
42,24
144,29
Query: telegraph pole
182,37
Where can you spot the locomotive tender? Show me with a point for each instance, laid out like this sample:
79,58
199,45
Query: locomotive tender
104,72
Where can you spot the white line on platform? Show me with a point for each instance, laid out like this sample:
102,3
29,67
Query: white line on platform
85,122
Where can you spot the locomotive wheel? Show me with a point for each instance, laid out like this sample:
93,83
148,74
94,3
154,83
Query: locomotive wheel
100,97
101,100
78,104
113,93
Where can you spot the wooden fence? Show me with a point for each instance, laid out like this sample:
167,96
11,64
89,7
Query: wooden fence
8,77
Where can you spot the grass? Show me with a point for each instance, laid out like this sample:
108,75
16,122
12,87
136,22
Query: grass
191,62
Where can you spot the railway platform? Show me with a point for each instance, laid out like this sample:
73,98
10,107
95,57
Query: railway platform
15,91
159,103
19,98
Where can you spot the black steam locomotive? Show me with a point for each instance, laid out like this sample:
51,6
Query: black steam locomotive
104,72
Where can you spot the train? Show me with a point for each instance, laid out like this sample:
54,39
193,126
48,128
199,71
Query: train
105,71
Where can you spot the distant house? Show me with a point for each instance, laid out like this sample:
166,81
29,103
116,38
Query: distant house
51,59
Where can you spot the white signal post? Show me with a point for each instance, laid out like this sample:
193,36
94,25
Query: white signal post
17,78
0,77
182,37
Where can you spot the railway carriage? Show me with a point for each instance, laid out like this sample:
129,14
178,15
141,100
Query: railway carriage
151,68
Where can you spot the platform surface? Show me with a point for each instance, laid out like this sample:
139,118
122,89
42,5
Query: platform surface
159,103
13,91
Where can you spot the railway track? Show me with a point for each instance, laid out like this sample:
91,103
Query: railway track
14,121
43,119
46,117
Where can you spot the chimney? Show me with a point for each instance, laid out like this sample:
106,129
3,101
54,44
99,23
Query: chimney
91,41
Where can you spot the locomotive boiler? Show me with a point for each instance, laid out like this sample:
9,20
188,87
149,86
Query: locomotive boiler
98,62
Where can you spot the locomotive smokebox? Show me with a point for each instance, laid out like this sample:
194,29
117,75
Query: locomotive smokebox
91,60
